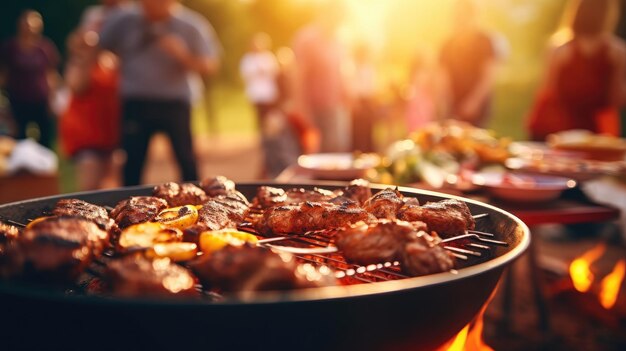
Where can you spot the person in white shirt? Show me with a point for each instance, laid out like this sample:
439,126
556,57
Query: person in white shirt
259,70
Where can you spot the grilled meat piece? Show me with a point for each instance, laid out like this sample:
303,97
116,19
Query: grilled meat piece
61,247
358,191
10,256
385,204
138,276
247,269
268,196
180,194
224,211
448,217
8,233
83,209
137,209
308,216
217,186
387,241
422,255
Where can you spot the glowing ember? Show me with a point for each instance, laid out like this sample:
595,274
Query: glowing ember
610,285
579,268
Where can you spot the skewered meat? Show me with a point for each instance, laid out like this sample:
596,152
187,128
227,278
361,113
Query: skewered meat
268,196
138,276
83,209
61,247
223,211
385,204
448,218
219,185
137,209
247,269
308,216
180,194
386,241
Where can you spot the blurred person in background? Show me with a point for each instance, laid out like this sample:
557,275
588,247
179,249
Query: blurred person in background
364,99
159,43
89,127
268,88
426,91
468,58
321,83
584,83
29,63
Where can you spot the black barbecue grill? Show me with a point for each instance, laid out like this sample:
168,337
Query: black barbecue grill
378,308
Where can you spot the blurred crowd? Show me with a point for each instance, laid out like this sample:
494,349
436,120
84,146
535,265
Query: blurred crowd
134,68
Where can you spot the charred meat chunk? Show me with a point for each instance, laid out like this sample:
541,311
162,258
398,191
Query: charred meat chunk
137,209
385,204
83,209
448,217
10,257
138,276
224,211
217,186
248,268
61,247
309,216
386,241
180,194
8,233
358,191
269,196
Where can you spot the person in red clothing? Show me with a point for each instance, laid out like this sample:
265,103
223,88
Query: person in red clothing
584,84
90,126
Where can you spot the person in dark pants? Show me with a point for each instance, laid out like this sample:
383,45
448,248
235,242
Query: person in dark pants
29,61
159,43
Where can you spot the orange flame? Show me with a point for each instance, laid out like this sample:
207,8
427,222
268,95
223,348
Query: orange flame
610,285
582,277
470,337
459,341
475,338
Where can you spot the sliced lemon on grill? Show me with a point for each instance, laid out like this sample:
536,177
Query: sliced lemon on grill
174,251
178,217
215,240
145,235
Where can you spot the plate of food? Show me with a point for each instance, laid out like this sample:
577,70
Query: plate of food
591,146
520,187
339,166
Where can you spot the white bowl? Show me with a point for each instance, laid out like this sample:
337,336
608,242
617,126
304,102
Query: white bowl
523,187
343,166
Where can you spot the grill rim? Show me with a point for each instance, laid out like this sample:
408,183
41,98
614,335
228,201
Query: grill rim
284,297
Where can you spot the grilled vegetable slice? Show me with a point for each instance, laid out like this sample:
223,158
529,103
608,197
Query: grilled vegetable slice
146,235
174,251
178,217
214,240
